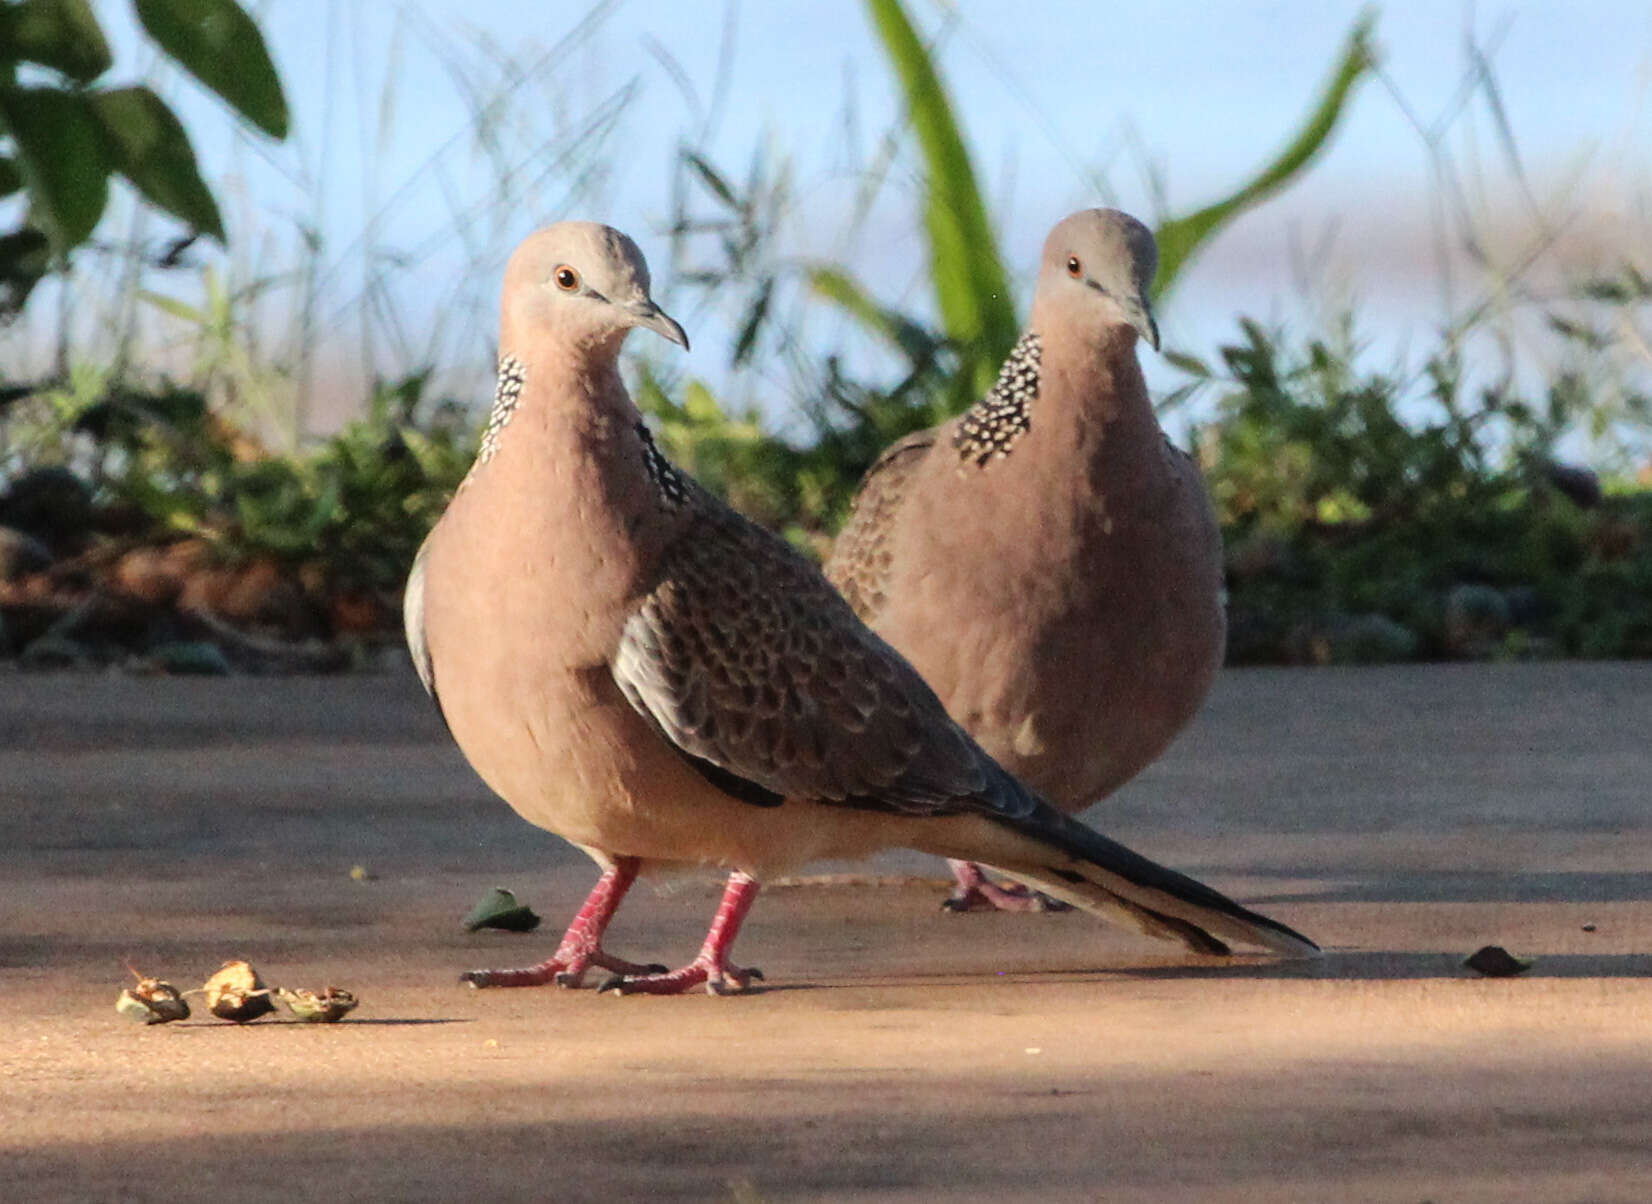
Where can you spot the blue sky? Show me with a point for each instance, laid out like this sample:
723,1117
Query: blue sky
1066,104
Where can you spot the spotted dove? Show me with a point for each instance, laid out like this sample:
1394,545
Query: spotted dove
634,666
1048,560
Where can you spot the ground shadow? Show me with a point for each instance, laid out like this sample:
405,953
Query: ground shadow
1373,884
348,1022
1384,965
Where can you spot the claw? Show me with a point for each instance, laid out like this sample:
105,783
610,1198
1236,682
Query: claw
976,892
581,946
711,968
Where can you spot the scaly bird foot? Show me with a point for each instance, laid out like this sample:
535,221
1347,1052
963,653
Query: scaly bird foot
718,980
989,896
563,971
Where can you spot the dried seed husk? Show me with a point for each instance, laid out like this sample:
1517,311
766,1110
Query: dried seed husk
237,993
326,1007
1494,961
152,1002
499,909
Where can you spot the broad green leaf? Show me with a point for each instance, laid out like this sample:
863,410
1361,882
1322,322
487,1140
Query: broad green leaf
1180,237
60,153
60,34
10,178
150,148
971,289
25,257
217,43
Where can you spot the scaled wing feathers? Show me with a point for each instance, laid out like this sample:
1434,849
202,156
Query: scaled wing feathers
859,564
743,655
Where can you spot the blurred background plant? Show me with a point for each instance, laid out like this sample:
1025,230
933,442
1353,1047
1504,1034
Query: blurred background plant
190,521
67,131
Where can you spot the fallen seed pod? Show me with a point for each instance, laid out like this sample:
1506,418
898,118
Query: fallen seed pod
152,1001
328,1007
237,993
499,909
1494,961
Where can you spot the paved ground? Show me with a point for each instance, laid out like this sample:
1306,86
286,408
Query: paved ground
1401,816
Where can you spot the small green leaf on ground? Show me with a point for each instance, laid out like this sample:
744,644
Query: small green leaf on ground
152,1001
326,1007
1494,961
499,909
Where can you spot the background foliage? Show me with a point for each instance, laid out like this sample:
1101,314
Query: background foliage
1369,514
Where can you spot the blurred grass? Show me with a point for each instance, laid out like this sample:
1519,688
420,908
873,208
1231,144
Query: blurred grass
1369,515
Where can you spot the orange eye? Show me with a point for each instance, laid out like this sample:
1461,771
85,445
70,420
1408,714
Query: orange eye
566,278
1074,268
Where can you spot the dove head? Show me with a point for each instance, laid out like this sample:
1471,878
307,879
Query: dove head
581,284
1097,268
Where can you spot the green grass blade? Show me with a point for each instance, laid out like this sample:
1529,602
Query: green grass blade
900,331
1180,237
971,290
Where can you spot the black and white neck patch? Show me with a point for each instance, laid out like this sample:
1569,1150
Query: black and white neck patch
992,425
512,375
670,486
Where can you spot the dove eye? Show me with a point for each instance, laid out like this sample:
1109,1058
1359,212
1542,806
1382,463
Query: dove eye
1074,268
566,278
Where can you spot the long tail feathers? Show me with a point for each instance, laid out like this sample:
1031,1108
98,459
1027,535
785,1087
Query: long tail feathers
1086,869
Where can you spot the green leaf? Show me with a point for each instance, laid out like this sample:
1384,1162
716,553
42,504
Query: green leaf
499,909
971,290
10,178
61,155
60,34
916,343
1190,364
150,149
25,258
712,179
1180,237
746,343
700,405
171,305
217,43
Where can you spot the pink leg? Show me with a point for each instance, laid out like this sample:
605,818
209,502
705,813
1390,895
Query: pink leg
976,892
581,946
712,967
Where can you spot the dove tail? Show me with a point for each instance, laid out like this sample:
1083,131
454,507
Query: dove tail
1079,865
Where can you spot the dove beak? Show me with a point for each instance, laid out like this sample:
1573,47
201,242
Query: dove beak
1141,317
651,317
